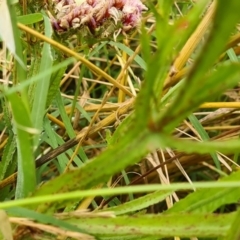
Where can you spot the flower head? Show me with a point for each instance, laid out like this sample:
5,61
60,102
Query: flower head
94,14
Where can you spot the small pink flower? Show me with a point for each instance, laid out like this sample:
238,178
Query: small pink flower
93,13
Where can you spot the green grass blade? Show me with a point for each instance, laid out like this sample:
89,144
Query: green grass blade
203,134
144,97
46,199
41,89
8,164
7,160
188,146
26,181
55,83
130,52
43,218
52,141
127,182
180,224
140,203
30,18
7,156
208,200
234,231
232,55
36,78
64,116
20,62
68,125
122,130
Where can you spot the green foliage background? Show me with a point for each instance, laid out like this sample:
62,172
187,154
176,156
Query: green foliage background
183,61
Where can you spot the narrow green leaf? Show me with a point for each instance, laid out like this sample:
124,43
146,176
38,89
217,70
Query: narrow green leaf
59,197
33,71
8,192
36,78
234,231
130,52
208,200
127,182
41,89
224,146
84,113
122,129
55,141
26,181
169,225
44,218
64,116
30,18
62,159
140,203
203,134
20,63
54,83
165,8
7,156
232,55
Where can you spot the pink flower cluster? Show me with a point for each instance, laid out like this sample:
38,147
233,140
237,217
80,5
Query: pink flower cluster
93,13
